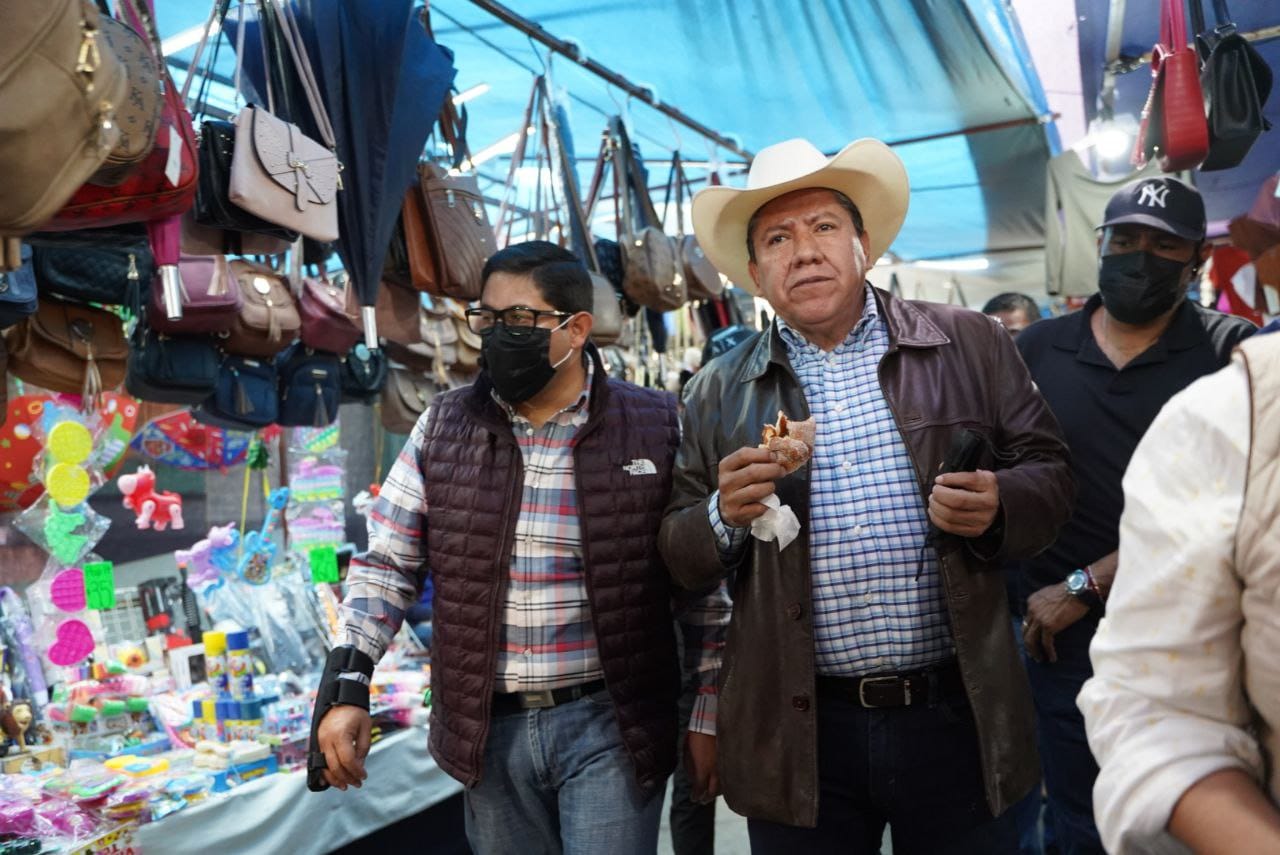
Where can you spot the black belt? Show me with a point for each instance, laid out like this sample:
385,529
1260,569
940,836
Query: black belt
910,688
509,702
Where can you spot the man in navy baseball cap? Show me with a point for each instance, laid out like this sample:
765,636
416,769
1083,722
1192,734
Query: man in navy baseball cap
1106,371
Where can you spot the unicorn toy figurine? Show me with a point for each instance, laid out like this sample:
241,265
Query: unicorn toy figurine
209,559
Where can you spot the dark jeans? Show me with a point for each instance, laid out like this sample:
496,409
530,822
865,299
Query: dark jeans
1069,767
915,768
693,826
1027,813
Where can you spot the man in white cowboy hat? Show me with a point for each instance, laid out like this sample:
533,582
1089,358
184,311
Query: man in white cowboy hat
870,675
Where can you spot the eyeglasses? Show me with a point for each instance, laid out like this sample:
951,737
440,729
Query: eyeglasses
520,320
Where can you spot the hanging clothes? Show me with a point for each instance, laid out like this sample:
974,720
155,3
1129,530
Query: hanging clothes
1074,202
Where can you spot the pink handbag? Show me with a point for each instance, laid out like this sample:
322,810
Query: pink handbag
210,299
277,172
328,316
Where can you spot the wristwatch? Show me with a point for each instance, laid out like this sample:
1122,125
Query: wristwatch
1079,587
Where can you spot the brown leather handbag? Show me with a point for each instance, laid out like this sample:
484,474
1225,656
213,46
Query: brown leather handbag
69,347
60,85
138,114
397,314
268,321
458,229
405,398
650,259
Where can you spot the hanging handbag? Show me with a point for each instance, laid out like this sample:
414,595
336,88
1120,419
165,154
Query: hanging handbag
171,369
310,387
67,347
60,86
213,208
268,319
328,315
245,397
105,273
701,277
397,314
277,172
469,343
405,398
460,236
138,113
210,299
1236,81
164,183
1173,128
364,373
18,292
650,259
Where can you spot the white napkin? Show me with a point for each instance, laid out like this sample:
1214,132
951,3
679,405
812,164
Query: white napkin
778,523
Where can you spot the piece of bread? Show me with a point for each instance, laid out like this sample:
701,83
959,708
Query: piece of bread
790,442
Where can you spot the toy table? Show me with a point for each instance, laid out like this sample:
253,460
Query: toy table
277,813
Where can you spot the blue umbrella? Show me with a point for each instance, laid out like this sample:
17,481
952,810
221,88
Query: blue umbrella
384,81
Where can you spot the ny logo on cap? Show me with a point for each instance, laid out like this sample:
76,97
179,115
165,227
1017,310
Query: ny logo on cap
1153,195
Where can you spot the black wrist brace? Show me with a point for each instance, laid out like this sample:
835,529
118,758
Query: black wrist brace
332,691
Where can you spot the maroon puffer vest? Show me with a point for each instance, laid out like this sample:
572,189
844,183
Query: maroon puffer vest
474,471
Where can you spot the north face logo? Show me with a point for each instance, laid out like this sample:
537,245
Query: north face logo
1153,195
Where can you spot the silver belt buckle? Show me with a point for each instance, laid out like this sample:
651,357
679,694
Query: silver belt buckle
537,700
868,681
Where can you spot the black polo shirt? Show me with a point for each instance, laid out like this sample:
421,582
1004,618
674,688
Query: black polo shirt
1104,413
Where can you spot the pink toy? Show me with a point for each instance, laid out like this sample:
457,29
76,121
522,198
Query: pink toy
209,558
73,644
67,590
153,509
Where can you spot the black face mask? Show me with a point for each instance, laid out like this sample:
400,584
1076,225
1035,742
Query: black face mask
1138,287
519,364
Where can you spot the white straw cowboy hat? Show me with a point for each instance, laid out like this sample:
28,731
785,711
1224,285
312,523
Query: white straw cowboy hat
866,170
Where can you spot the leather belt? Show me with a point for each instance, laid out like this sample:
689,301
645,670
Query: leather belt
910,688
509,702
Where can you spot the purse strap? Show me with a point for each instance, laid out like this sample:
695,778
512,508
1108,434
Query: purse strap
517,160
306,73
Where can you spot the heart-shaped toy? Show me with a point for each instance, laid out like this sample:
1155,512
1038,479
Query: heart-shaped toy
73,644
67,590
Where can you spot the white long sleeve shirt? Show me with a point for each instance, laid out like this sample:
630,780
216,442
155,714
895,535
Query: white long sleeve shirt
1166,705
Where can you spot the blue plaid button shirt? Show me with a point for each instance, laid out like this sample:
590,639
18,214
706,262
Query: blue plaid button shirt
877,592
547,640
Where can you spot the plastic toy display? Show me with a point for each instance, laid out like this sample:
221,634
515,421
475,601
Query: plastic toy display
153,509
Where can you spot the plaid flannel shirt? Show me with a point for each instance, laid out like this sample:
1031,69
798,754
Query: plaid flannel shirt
546,640
877,591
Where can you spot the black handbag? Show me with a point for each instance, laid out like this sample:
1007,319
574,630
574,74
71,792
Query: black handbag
17,294
1236,81
171,369
245,396
310,387
102,273
213,208
364,373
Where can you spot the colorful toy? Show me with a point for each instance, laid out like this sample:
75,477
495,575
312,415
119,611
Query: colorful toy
211,557
259,549
152,508
66,591
60,533
73,643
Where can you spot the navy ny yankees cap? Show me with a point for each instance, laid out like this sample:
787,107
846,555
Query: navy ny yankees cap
1163,203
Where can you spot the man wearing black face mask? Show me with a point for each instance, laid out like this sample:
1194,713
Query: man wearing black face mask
1106,371
533,500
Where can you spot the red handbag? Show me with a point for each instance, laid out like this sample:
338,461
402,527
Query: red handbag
1174,130
162,185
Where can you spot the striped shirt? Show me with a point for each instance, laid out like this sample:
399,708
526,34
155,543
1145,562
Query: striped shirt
877,592
546,637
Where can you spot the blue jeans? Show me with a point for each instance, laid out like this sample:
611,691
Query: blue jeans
915,768
560,780
1069,767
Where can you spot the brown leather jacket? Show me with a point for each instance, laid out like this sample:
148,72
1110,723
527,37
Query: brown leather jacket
947,368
